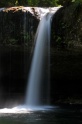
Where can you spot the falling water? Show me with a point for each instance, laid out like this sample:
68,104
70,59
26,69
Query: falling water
38,86
33,96
38,92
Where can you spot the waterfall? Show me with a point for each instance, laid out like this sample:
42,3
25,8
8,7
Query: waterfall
38,85
38,88
33,95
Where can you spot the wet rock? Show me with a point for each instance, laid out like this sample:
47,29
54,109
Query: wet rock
67,26
18,27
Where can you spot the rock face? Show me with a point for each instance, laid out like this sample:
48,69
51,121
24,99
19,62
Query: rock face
66,52
17,29
18,26
67,26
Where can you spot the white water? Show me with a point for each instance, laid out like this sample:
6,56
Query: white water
36,94
35,98
33,95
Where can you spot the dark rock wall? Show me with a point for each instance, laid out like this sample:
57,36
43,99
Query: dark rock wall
67,26
66,53
17,27
17,31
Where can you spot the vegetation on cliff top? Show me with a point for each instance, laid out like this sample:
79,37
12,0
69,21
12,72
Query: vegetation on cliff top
42,3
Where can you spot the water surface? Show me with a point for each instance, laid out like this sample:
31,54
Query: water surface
59,115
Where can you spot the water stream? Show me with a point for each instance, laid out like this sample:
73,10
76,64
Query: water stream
38,85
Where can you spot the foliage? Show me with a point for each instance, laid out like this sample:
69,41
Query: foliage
21,2
7,3
33,2
64,2
47,3
41,3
